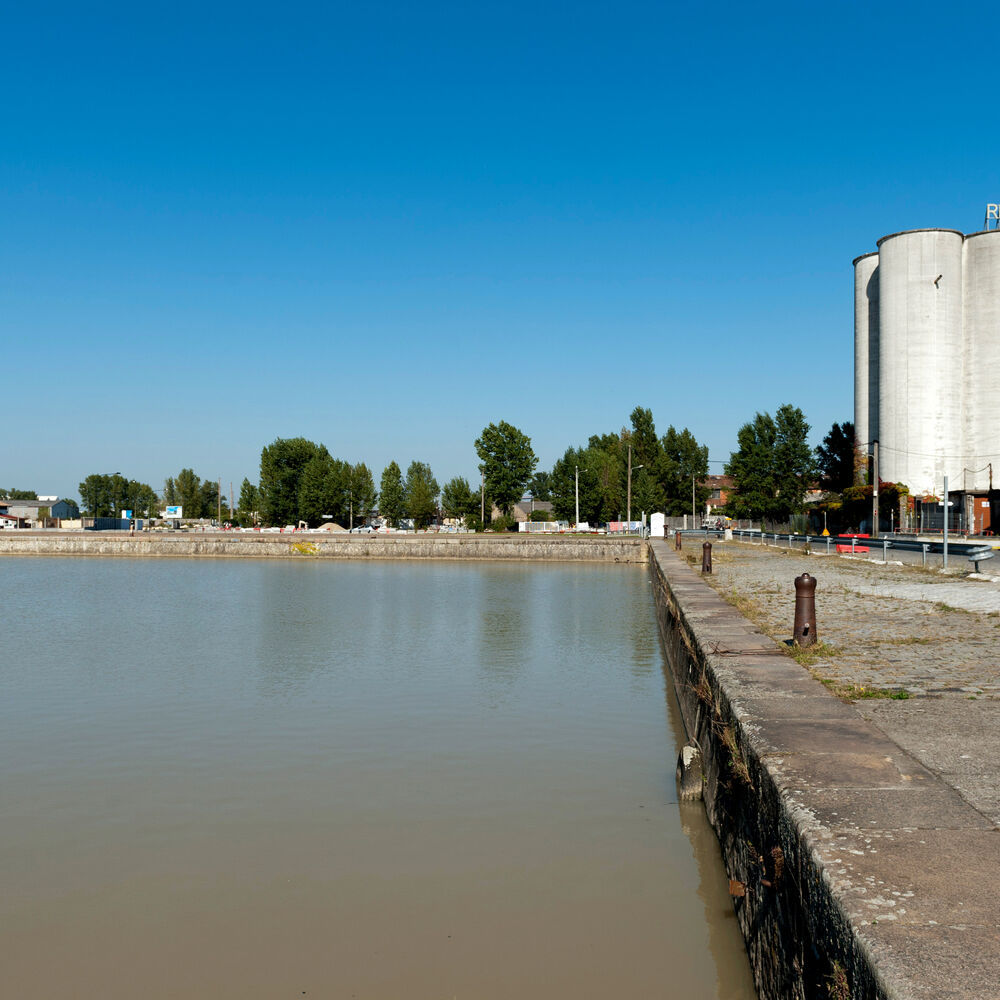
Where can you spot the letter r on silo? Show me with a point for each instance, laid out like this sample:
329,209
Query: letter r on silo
993,211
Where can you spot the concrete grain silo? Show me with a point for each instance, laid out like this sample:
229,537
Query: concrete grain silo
866,347
920,356
927,368
982,371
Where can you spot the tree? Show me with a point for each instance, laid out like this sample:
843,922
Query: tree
362,492
390,504
600,483
507,461
189,495
323,489
646,493
458,500
540,486
209,500
773,466
107,496
18,494
681,464
645,445
281,465
142,499
248,505
170,492
795,464
420,494
835,457
95,496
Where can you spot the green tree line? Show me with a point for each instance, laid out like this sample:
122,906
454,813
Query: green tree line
633,470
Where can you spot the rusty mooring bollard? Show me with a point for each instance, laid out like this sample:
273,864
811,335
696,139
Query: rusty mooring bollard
677,539
706,557
804,631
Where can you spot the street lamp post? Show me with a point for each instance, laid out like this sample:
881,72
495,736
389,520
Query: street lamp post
577,493
628,502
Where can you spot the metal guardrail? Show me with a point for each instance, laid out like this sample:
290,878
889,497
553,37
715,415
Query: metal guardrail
873,545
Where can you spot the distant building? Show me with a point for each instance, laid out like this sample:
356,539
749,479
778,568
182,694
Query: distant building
721,487
33,512
523,509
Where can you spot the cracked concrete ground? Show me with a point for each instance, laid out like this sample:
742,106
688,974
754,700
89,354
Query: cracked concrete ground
885,626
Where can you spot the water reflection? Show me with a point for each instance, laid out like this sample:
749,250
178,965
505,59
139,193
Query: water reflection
264,779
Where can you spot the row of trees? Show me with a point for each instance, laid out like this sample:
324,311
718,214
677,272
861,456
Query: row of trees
667,473
199,498
301,481
104,495
634,470
773,467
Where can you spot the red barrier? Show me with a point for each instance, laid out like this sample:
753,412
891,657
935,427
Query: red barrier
856,547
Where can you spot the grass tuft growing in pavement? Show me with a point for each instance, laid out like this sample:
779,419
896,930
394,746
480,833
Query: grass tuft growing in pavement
859,692
806,656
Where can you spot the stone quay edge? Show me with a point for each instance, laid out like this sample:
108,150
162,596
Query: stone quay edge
856,872
575,548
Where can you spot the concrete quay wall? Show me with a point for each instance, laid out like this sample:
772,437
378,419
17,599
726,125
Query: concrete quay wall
856,872
596,548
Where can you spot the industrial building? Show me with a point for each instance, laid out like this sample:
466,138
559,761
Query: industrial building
927,366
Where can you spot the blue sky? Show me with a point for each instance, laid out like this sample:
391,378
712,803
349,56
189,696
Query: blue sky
385,225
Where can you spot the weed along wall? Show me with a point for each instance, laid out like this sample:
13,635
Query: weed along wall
744,704
593,548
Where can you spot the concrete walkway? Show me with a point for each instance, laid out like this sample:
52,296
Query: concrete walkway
884,626
894,802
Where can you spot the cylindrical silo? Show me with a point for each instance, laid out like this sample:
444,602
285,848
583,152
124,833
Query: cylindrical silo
866,349
982,359
920,358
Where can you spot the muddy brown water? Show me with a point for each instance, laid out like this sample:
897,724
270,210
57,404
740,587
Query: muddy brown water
426,781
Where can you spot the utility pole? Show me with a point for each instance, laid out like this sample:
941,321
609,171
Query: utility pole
945,560
874,489
482,496
577,492
232,505
218,519
693,518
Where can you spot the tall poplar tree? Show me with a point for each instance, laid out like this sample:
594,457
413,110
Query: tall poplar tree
390,503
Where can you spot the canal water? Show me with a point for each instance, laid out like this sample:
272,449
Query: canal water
389,781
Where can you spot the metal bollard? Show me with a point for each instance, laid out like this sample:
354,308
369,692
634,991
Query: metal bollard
804,630
677,539
706,557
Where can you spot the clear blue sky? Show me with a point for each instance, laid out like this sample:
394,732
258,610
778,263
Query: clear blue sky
385,225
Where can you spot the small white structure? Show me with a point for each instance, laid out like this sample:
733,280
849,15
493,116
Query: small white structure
657,525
